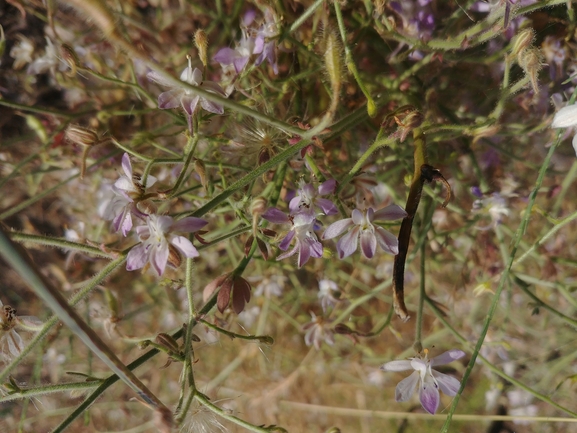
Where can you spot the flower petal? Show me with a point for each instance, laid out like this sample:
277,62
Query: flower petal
446,357
430,396
391,212
126,166
169,99
398,365
348,243
189,224
185,246
275,215
159,257
327,187
137,257
406,387
327,206
225,56
189,103
336,228
448,384
304,253
387,241
284,244
368,244
211,107
565,117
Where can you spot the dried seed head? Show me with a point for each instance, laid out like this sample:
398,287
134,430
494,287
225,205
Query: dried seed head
201,42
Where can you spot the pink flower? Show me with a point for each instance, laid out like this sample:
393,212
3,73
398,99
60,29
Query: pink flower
158,237
361,226
428,380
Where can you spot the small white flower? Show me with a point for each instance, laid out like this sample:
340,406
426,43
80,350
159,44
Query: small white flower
566,117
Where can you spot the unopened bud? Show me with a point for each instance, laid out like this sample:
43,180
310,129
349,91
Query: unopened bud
523,40
167,342
200,169
334,62
70,57
80,135
174,257
531,61
201,42
257,208
84,137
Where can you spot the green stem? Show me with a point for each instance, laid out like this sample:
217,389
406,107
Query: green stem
371,106
60,243
418,345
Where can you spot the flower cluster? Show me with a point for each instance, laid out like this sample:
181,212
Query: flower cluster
303,219
160,243
254,40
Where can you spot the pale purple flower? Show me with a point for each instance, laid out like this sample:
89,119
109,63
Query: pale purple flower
126,189
361,226
307,243
425,378
308,198
264,36
494,205
248,45
187,99
328,293
317,331
156,238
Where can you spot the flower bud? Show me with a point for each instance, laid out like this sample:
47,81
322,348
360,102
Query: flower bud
70,57
84,137
201,42
200,169
531,61
334,62
167,342
80,135
174,257
523,40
